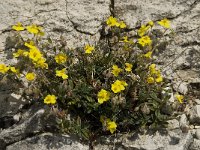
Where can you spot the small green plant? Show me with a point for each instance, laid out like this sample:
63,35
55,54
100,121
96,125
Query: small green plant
110,87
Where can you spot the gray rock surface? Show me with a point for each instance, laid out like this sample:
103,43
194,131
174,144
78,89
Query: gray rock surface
184,123
194,115
48,141
32,125
77,20
181,87
173,140
195,145
197,134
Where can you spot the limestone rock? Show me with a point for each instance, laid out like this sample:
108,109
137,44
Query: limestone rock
48,141
195,145
77,21
173,124
197,134
30,126
194,114
184,123
197,101
181,87
150,141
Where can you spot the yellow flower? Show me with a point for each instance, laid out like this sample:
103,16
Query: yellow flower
3,68
118,86
61,58
179,98
122,25
18,27
145,40
62,73
50,99
111,21
148,55
152,67
25,53
150,80
103,96
30,76
14,70
125,39
111,125
35,54
19,53
41,63
142,31
35,30
116,70
128,67
30,45
159,79
151,23
88,49
164,23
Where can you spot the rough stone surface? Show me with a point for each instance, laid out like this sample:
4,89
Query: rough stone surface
78,21
197,101
195,145
175,140
194,114
48,141
181,87
30,126
184,123
197,134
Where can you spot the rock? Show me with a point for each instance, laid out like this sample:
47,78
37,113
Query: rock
48,141
181,87
194,114
195,145
30,126
197,133
10,105
78,21
197,101
173,124
171,140
184,124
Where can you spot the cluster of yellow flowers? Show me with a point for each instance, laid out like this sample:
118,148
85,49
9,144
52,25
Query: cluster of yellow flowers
36,56
116,87
4,69
36,30
154,75
112,22
110,125
116,70
145,40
